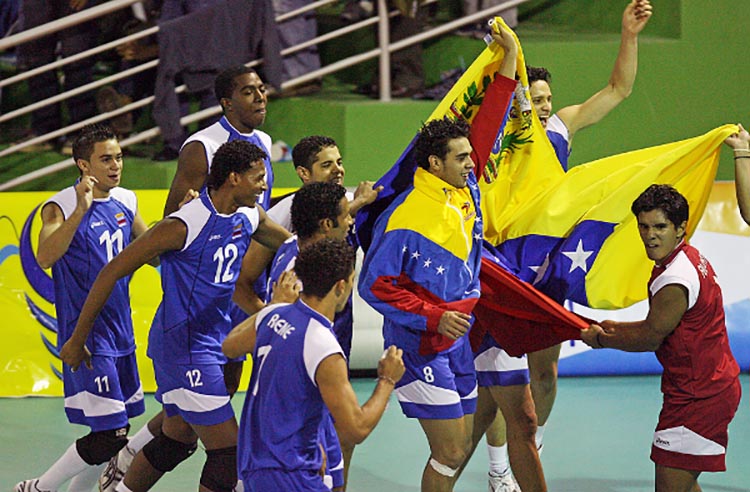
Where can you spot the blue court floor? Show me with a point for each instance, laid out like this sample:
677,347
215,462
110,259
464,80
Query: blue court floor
598,440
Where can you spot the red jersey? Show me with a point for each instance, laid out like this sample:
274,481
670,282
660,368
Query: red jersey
696,357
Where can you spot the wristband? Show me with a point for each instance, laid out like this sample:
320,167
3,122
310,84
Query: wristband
747,156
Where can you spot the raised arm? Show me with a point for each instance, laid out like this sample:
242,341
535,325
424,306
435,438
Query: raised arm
57,232
192,169
740,143
354,422
667,308
167,235
620,85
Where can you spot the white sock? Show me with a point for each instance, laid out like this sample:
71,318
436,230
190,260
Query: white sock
140,439
121,487
539,437
499,464
87,479
66,467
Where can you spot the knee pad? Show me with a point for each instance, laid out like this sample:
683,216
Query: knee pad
442,469
220,471
165,453
96,448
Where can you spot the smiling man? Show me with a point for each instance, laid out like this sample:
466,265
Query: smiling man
84,227
422,274
562,126
685,327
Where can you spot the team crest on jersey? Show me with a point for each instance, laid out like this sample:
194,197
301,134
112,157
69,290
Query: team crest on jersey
121,220
237,232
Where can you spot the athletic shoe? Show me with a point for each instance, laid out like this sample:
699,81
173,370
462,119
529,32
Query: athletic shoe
29,486
502,483
115,470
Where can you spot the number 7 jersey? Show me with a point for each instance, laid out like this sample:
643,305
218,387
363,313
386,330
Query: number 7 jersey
198,282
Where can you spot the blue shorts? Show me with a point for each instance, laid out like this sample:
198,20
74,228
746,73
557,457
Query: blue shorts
105,396
267,479
334,458
439,386
196,392
496,368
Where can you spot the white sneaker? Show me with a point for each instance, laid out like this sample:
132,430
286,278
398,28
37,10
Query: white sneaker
502,483
29,486
115,470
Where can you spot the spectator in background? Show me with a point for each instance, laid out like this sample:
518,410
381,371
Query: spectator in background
294,31
42,51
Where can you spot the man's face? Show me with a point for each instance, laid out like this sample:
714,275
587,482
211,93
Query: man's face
344,221
105,164
659,235
327,167
252,183
541,98
246,109
456,166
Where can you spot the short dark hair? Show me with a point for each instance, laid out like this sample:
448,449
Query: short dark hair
313,203
665,198
83,145
434,136
225,82
323,263
307,150
538,73
236,156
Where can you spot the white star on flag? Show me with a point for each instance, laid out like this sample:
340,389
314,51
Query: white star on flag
578,257
404,249
440,270
540,270
427,263
415,255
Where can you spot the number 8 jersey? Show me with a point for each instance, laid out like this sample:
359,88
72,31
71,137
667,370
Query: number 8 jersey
198,282
103,232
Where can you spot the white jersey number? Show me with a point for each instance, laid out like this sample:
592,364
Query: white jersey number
229,255
112,243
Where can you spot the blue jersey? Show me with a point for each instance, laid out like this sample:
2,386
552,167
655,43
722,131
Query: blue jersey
284,261
104,231
283,409
198,282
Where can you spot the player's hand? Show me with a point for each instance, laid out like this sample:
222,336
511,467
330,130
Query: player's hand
365,193
454,324
739,140
391,364
85,191
636,15
73,354
504,39
590,334
189,196
286,288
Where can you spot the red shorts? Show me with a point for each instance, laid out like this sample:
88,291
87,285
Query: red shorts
693,435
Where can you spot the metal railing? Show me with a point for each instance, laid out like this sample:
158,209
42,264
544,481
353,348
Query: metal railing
383,51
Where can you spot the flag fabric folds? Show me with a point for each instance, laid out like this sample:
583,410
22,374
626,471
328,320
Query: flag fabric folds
567,236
